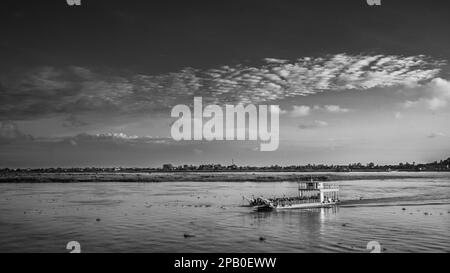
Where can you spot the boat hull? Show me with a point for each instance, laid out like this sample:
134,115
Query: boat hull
295,206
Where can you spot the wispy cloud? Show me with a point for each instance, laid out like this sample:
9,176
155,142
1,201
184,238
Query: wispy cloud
299,111
118,138
332,109
74,121
313,125
305,110
435,135
49,91
9,132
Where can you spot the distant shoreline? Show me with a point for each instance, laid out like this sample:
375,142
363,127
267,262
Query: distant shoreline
199,177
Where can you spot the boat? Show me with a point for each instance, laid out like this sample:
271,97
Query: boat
310,195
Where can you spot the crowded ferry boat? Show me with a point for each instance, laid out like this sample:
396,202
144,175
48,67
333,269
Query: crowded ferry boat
310,195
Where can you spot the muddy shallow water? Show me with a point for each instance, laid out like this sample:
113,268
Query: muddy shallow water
403,215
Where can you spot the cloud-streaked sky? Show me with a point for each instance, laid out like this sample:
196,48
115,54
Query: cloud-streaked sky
94,85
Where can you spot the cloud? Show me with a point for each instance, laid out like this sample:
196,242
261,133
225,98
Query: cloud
313,125
73,121
332,109
305,76
336,109
434,96
435,135
9,132
299,111
304,110
118,138
50,91
275,61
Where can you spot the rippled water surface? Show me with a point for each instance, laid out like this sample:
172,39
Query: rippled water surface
403,215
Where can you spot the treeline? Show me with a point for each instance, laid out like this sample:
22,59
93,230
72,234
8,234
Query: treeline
443,165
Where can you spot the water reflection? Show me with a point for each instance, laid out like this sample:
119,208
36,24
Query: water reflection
307,220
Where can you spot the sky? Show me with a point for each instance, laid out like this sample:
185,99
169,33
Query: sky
94,85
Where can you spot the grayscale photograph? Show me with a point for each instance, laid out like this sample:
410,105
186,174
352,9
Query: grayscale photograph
242,127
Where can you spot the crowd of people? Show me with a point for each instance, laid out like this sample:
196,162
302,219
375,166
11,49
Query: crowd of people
284,201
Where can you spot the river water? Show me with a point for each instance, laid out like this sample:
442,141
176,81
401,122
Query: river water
402,215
